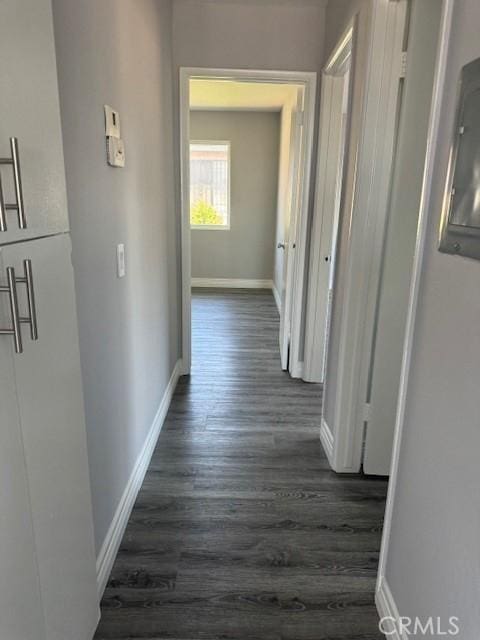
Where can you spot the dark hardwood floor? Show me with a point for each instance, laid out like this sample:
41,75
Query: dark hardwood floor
240,530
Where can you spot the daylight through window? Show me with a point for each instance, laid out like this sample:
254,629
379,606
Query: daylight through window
209,184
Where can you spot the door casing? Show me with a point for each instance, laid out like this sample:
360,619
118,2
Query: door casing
308,80
343,441
335,108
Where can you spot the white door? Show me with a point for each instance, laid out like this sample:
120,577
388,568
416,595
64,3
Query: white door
290,232
29,111
21,616
333,123
46,381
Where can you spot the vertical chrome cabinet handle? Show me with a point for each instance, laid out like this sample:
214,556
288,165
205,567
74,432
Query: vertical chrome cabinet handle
14,161
32,312
15,331
22,222
3,211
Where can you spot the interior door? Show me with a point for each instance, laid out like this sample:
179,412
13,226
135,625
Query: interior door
49,394
20,606
30,111
333,123
290,232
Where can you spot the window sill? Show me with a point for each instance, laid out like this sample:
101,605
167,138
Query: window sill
210,227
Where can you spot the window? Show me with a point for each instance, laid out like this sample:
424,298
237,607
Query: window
210,185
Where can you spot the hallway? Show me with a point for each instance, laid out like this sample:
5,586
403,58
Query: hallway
240,530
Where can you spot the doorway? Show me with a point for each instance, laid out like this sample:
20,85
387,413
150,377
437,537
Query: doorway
296,137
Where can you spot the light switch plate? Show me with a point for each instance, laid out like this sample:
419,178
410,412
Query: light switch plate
112,122
121,270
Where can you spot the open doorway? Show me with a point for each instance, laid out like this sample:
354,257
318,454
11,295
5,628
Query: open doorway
246,147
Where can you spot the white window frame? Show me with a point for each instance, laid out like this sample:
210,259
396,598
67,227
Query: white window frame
217,227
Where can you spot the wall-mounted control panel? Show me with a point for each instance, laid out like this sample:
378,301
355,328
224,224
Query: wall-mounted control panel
115,152
460,226
115,144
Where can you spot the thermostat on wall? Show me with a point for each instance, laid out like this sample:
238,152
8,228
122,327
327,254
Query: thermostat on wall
115,145
112,122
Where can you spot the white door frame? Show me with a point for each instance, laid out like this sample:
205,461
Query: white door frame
308,81
291,198
383,597
343,441
331,164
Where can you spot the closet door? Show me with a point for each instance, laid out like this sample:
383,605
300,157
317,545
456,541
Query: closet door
30,111
20,608
49,392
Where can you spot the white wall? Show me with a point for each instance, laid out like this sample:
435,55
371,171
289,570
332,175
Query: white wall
246,250
433,562
119,53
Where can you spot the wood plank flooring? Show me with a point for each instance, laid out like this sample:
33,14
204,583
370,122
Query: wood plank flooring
241,531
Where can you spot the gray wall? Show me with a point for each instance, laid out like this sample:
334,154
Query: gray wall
432,566
241,34
402,229
119,53
337,17
272,34
246,250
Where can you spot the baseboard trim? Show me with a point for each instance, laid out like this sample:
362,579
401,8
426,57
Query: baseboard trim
387,608
276,295
109,549
326,438
231,283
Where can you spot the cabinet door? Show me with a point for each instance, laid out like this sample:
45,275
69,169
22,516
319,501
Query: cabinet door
20,608
49,392
29,110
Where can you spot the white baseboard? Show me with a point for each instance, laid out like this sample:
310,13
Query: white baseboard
234,283
326,438
277,297
387,608
108,551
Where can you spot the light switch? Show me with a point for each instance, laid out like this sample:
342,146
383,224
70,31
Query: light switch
120,260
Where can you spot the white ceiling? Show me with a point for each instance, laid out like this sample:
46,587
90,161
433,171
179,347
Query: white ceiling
228,94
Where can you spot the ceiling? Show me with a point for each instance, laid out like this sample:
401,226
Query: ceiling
230,94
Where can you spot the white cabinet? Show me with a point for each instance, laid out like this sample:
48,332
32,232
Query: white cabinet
18,571
47,561
29,110
48,585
